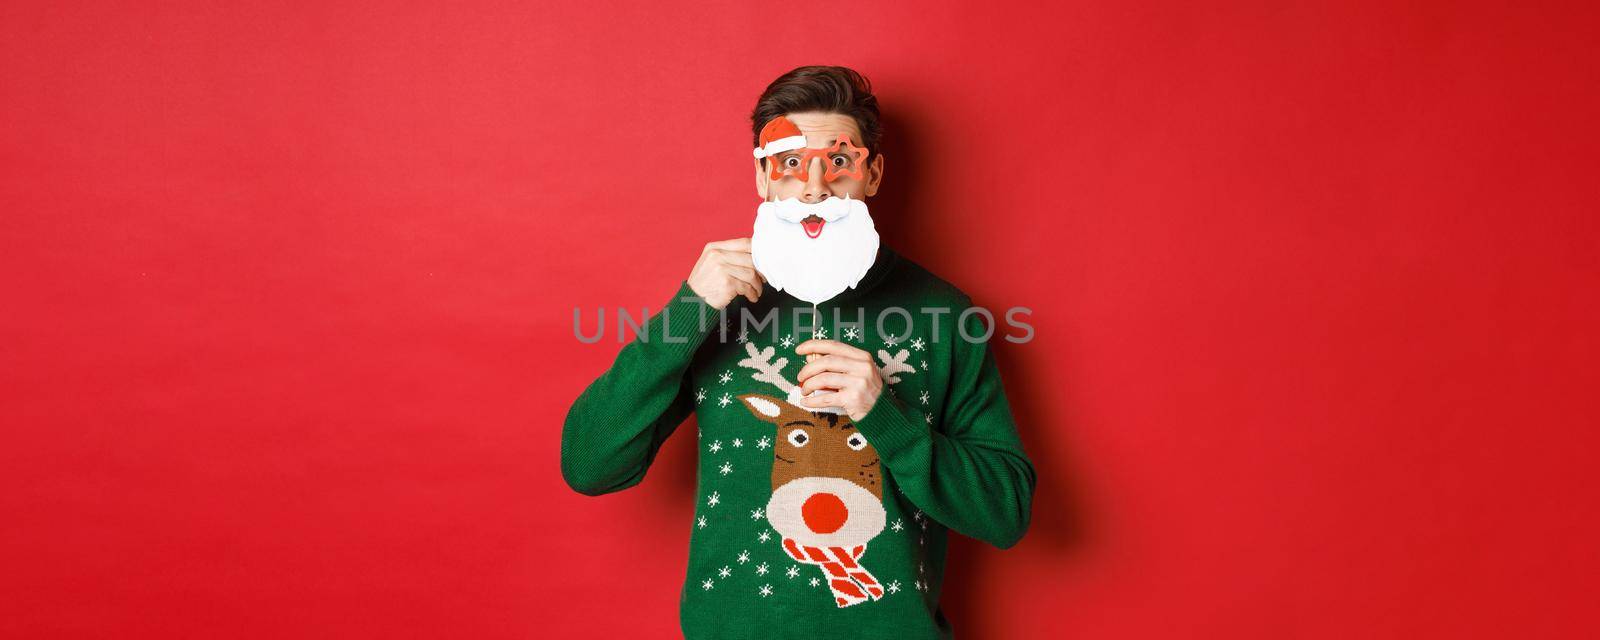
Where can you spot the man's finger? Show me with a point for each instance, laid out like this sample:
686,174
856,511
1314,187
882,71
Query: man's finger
832,347
836,364
822,399
744,274
829,380
736,244
736,258
749,291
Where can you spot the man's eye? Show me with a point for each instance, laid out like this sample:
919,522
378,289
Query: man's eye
791,162
840,162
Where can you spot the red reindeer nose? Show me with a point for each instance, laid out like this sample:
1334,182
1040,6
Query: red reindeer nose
824,512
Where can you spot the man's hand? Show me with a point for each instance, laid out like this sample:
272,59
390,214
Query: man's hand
845,371
724,271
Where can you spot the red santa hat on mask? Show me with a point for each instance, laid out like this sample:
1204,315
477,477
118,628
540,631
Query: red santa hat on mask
778,136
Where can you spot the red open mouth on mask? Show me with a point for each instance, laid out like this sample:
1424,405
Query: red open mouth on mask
813,225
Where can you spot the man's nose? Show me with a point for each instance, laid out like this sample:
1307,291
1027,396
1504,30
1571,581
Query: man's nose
816,189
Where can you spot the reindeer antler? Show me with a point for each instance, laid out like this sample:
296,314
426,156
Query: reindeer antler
771,372
894,366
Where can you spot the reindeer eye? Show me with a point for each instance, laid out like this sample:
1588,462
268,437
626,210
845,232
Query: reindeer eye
799,438
856,442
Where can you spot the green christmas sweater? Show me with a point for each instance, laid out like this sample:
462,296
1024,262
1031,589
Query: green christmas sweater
810,524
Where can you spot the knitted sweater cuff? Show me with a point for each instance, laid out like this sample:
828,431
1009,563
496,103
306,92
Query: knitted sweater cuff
893,428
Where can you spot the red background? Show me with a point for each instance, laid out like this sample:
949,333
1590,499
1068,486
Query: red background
288,306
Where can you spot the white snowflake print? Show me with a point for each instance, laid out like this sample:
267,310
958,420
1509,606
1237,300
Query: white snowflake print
920,569
764,536
715,446
766,590
744,336
924,365
786,342
893,587
725,377
924,525
763,443
724,401
920,587
820,334
928,418
917,515
700,522
890,341
737,442
814,581
707,584
726,468
792,571
850,333
923,397
700,395
757,515
724,572
714,500
916,343
896,526
761,569
744,556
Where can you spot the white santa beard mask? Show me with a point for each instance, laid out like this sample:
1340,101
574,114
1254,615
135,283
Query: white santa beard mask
814,269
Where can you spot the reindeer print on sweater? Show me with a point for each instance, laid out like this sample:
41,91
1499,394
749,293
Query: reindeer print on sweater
810,523
827,484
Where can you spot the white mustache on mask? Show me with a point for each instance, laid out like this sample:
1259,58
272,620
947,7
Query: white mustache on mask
793,210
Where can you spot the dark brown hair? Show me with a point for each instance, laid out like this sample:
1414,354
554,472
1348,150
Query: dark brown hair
821,88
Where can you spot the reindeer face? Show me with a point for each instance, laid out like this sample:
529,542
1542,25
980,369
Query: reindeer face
812,443
826,485
815,444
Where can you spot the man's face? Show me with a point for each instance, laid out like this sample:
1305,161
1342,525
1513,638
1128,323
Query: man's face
822,131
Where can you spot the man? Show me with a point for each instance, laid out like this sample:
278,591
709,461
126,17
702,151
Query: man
842,401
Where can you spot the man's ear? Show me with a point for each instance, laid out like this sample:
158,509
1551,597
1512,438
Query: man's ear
761,180
874,173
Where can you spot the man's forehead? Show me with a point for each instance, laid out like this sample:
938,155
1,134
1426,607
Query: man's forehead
822,129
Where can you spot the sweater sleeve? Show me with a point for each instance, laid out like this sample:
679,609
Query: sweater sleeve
614,429
971,475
